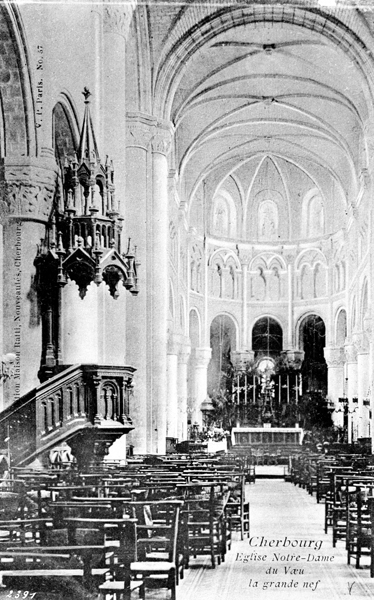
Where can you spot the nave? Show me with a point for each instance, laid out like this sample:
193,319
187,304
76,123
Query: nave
280,510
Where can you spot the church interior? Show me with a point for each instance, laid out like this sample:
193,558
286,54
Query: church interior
229,381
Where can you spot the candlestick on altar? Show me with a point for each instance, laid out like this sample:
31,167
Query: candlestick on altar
288,389
237,392
280,391
245,389
254,389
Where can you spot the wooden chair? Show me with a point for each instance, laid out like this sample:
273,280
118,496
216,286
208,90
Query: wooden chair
208,531
161,573
359,530
238,508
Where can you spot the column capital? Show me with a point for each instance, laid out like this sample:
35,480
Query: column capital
27,190
242,360
293,358
202,356
145,131
161,140
334,356
117,19
290,259
139,130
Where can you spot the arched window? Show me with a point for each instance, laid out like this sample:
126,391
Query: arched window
267,337
222,343
341,328
312,336
267,220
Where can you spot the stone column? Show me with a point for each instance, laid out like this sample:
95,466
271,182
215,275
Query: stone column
160,145
245,305
172,387
290,278
138,226
27,192
335,359
183,357
351,388
361,343
202,358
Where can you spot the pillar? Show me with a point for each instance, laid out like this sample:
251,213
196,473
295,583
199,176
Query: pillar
351,388
160,145
172,388
148,143
245,305
290,276
363,382
335,359
28,190
138,313
202,358
183,357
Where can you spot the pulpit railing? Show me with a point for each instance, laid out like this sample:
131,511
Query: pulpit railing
79,397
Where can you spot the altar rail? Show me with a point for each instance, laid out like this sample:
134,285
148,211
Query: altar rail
272,436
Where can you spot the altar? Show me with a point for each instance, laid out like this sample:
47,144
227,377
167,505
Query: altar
267,436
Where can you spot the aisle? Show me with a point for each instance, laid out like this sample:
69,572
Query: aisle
311,570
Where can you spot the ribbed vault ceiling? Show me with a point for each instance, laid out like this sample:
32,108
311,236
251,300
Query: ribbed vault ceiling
271,89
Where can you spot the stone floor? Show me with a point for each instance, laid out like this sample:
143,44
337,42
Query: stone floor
302,565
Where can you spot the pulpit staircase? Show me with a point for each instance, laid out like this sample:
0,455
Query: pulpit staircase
84,405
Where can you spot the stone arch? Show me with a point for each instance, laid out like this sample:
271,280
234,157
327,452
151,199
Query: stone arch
65,130
19,126
267,336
